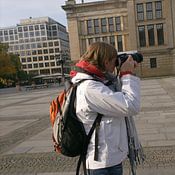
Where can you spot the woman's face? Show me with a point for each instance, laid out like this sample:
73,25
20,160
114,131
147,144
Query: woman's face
110,65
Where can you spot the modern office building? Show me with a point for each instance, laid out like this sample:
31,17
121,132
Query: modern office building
147,26
39,42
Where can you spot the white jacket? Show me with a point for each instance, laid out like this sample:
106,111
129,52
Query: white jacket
94,97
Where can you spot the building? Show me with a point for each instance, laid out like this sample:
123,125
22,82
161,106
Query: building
147,26
39,42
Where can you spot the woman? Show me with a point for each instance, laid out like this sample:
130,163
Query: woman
95,97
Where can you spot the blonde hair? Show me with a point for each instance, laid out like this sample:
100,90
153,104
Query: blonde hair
98,52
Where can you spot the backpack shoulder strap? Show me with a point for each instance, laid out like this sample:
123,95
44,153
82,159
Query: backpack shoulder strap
82,158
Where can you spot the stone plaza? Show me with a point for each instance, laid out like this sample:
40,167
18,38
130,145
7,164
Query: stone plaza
26,146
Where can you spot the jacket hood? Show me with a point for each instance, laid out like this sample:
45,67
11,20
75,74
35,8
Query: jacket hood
79,76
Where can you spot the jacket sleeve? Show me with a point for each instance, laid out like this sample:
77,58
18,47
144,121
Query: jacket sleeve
103,100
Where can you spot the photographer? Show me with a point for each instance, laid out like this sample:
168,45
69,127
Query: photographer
106,96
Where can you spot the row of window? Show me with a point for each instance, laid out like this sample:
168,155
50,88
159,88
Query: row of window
151,34
39,58
35,46
39,52
38,65
151,12
32,28
111,40
29,34
103,25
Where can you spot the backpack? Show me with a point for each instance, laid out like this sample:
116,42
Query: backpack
69,136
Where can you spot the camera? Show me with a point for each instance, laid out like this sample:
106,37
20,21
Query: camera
121,58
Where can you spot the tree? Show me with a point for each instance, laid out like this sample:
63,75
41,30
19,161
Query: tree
6,66
10,66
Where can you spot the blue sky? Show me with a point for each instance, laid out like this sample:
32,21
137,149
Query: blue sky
11,11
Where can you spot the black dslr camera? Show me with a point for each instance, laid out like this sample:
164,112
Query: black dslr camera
121,58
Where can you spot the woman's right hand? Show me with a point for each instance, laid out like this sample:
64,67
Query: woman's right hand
129,65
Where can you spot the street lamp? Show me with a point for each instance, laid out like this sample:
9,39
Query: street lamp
60,61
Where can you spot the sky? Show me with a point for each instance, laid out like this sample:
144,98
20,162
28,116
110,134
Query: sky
12,11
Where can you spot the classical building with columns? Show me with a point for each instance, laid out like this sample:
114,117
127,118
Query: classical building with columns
147,26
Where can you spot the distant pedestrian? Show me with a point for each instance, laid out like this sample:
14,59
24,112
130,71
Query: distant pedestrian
105,97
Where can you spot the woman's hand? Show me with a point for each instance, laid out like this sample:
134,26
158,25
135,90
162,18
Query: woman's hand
129,65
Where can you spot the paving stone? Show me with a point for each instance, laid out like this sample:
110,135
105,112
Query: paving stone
27,148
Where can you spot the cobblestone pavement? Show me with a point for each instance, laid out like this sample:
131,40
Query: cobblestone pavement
25,133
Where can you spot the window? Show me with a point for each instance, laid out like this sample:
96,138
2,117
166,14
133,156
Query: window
39,51
29,66
37,33
118,23
54,33
158,8
24,66
82,28
120,43
52,64
35,65
41,65
33,52
56,43
105,39
140,12
90,40
25,28
31,34
44,44
34,58
111,24
40,58
43,33
112,40
21,47
89,27
142,38
27,46
57,50
149,10
42,27
29,59
30,28
33,45
11,32
28,53
97,39
54,27
16,47
39,45
46,64
11,37
26,34
153,62
160,34
51,51
103,25
19,29
46,58
50,44
151,35
96,26
23,60
45,51
5,32
52,57
36,27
